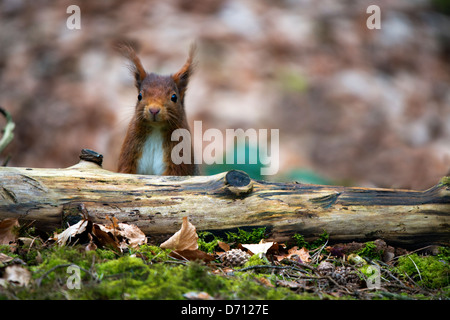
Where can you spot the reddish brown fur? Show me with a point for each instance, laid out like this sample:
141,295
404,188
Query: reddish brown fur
156,93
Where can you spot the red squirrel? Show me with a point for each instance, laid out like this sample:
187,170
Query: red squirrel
159,111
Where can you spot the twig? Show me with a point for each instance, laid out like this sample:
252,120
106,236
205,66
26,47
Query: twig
267,266
389,273
39,280
303,265
420,276
411,252
316,255
176,261
315,277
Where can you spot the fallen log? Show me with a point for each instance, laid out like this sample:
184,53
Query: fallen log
222,202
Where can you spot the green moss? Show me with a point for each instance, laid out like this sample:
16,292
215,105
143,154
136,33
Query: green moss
103,254
131,278
247,286
207,242
301,242
242,236
368,270
53,258
256,260
145,273
370,251
6,249
127,278
151,253
123,265
426,271
444,254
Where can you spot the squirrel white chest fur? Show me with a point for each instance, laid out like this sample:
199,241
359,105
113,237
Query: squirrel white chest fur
151,161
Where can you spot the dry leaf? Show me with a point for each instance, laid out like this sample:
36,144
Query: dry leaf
224,246
302,254
132,235
266,282
105,238
117,236
260,248
17,275
5,258
6,230
125,234
184,244
294,253
72,231
184,239
289,284
192,255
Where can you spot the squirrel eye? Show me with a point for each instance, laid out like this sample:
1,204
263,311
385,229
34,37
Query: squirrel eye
174,98
140,96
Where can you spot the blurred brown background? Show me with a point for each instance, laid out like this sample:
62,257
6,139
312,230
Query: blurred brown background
353,105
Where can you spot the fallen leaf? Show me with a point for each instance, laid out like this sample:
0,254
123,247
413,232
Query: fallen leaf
289,284
105,238
184,239
222,271
17,275
125,234
6,230
294,253
5,258
71,232
192,255
260,248
117,236
224,246
132,235
302,254
266,282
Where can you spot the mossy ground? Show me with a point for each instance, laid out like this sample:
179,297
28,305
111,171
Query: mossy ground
148,272
144,273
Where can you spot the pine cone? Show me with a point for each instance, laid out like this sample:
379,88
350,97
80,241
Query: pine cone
326,268
234,258
345,275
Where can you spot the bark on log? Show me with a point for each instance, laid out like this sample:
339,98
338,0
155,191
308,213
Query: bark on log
229,200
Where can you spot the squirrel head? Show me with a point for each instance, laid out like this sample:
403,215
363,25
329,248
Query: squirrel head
160,100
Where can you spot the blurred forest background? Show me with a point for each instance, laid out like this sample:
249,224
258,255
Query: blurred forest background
354,106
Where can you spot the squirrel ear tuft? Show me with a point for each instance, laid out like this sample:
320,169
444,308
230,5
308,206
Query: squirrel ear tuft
136,66
181,78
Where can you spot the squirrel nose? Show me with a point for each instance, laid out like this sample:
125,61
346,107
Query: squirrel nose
154,111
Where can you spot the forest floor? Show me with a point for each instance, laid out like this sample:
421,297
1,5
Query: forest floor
244,266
